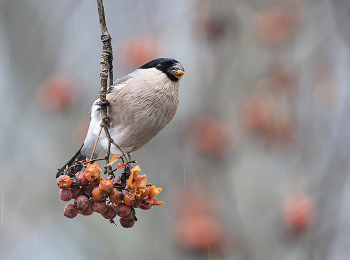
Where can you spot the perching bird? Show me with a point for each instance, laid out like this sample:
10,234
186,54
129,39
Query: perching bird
141,104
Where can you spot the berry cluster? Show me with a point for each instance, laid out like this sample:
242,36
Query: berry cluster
111,196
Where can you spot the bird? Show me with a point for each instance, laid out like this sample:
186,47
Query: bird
140,105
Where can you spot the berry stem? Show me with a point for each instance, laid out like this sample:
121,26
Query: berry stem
98,137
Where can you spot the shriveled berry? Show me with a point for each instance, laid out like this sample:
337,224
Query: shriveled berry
70,211
87,190
110,177
99,194
123,209
117,181
75,182
116,196
106,185
75,191
145,207
99,206
81,202
153,191
110,213
129,198
92,172
95,183
88,211
131,215
82,178
64,182
145,204
127,223
137,203
65,194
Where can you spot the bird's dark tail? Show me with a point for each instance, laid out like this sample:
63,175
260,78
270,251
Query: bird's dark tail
78,156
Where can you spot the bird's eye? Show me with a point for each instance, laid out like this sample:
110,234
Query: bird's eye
158,66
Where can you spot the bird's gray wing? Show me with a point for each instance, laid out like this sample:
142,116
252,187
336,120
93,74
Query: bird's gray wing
119,83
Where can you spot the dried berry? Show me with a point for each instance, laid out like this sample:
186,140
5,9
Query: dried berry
110,213
82,178
127,223
116,196
65,194
153,191
92,172
87,190
95,183
99,194
129,198
131,215
88,211
70,211
75,191
75,182
146,204
118,181
81,202
99,206
137,203
123,209
106,185
121,166
64,182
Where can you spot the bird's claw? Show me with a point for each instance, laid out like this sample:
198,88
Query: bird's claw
102,104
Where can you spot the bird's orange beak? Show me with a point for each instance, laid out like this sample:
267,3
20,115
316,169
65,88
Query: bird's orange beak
179,73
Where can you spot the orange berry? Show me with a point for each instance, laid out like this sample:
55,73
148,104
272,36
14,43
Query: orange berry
64,182
153,191
106,185
129,198
116,196
92,172
99,194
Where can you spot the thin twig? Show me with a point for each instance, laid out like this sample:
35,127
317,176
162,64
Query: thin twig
112,141
106,68
98,137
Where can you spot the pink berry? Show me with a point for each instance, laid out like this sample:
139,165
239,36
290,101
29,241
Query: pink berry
81,202
66,194
70,211
82,178
122,209
88,211
127,223
131,215
75,191
99,206
110,213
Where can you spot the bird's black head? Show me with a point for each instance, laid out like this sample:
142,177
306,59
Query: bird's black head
172,68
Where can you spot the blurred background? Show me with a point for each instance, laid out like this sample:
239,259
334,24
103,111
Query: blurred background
255,164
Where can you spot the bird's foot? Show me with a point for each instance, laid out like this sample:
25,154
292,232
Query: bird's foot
102,104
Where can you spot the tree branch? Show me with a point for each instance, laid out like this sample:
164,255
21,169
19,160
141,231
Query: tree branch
106,70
